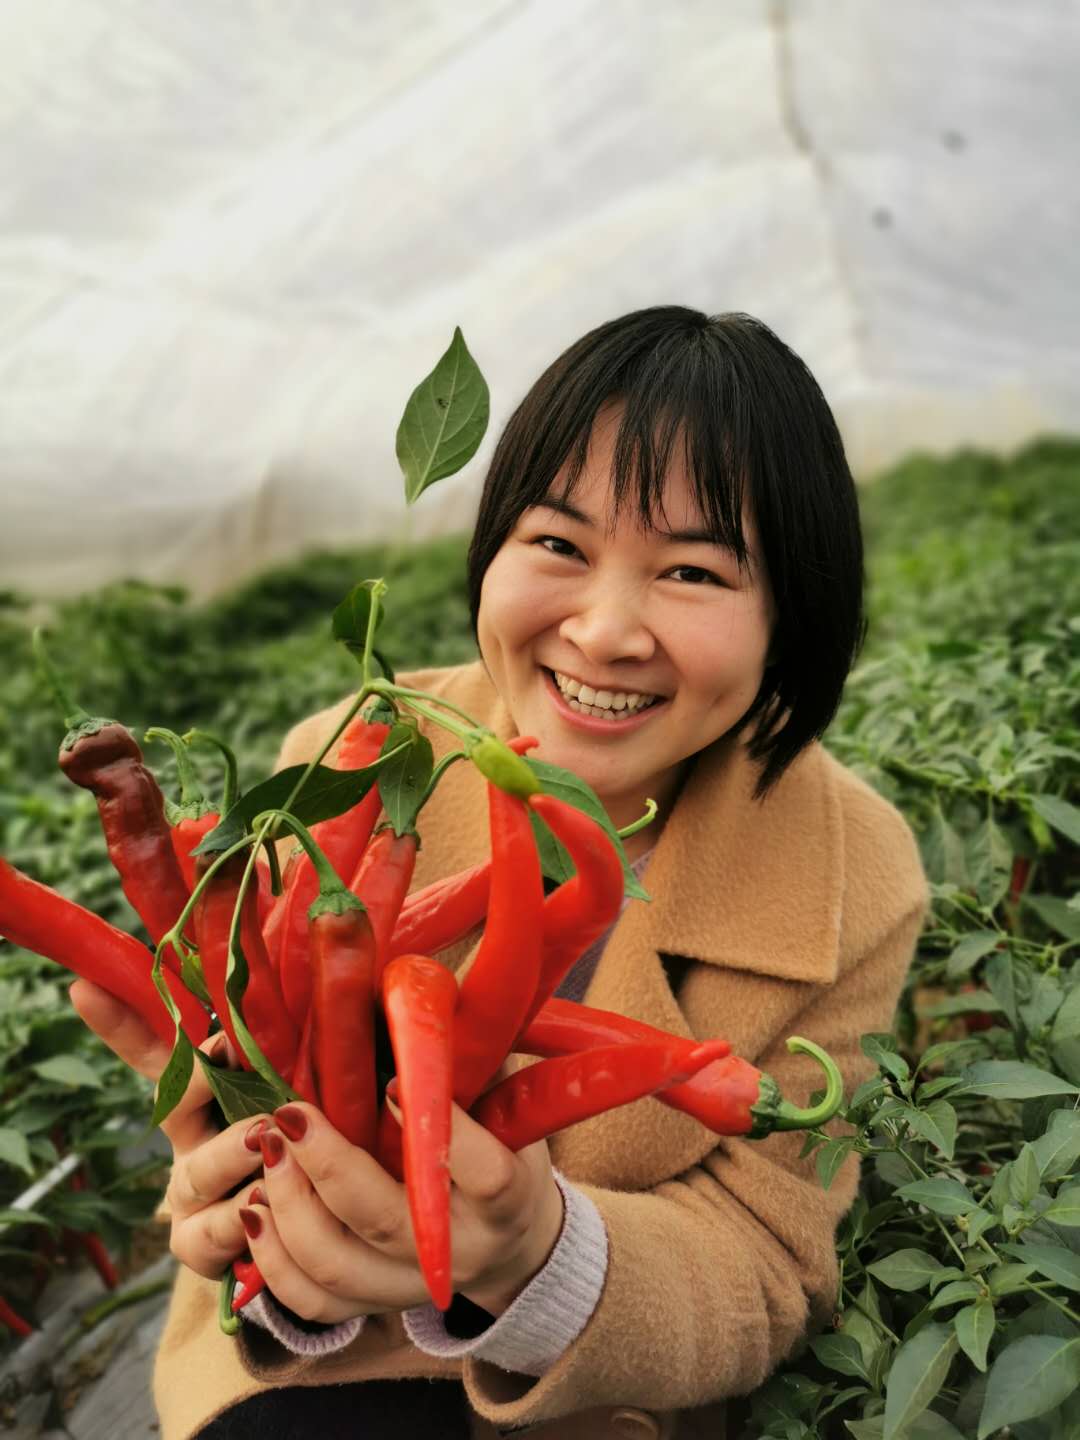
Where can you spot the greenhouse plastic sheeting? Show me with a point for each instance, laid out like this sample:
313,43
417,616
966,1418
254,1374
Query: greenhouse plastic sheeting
235,236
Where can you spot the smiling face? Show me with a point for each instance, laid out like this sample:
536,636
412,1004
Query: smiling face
625,649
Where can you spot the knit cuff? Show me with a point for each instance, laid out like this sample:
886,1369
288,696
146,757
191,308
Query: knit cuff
264,1312
548,1315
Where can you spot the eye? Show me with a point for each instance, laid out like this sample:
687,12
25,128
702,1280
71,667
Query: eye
695,575
556,545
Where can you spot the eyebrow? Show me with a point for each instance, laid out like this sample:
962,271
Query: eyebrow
679,537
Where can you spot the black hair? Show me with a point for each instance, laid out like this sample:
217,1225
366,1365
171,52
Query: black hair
752,419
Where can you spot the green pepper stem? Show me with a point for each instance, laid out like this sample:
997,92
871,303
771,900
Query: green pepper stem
232,773
193,803
330,882
639,824
73,712
230,1323
789,1116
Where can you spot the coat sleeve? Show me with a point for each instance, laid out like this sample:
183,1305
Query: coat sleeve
716,1276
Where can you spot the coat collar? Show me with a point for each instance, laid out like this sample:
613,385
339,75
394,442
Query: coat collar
735,882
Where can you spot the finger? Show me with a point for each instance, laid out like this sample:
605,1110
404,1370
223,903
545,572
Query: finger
286,1281
351,1184
121,1028
493,1179
211,1238
213,1170
193,1121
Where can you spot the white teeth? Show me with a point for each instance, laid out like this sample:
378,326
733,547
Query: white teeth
605,703
618,702
587,695
570,687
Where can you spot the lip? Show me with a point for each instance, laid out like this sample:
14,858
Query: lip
589,723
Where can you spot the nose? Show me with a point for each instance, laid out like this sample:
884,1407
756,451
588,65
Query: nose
606,623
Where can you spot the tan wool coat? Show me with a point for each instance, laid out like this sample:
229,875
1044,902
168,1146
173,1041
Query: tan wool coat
798,915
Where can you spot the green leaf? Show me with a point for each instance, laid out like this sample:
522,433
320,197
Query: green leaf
554,860
1054,1261
1012,1080
840,1353
932,1426
1065,1209
444,420
943,852
979,1221
829,1159
1028,1378
918,1372
404,777
971,1002
68,1070
881,1048
954,1293
940,1194
1002,982
990,862
936,1123
24,1217
1058,1150
173,1080
351,618
1055,913
326,793
906,1269
15,1150
871,1429
1065,1035
1008,1279
970,951
1024,1176
241,1094
974,1326
1060,814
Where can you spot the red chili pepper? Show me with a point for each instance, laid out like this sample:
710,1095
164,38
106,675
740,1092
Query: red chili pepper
382,880
303,1077
263,1008
13,1320
443,912
40,919
249,1282
193,817
342,944
92,1244
549,1096
342,840
497,992
419,996
730,1096
585,906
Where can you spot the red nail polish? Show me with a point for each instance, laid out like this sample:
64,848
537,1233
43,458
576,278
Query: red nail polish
291,1121
251,1223
272,1147
257,1197
251,1135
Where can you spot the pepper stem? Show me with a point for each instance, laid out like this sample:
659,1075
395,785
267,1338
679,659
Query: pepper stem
789,1116
193,803
641,822
232,776
333,894
74,714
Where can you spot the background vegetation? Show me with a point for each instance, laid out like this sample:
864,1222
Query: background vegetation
959,1310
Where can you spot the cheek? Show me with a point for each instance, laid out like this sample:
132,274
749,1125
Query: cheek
515,605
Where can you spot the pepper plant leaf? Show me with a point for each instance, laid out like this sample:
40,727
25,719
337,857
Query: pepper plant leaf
554,861
1013,1080
1060,814
403,779
240,1093
1028,1378
350,619
918,1372
444,420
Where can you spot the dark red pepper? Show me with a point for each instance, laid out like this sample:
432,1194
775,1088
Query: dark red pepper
342,945
13,1320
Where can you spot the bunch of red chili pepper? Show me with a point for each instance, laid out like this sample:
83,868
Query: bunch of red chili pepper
330,988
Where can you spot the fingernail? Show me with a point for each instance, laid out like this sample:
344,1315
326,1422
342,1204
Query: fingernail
219,1047
257,1197
291,1121
253,1132
251,1223
272,1147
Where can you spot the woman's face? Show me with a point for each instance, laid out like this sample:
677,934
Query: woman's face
625,650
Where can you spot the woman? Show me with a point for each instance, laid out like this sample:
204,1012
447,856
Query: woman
666,583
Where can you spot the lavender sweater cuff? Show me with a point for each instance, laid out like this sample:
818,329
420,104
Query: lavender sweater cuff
548,1315
262,1311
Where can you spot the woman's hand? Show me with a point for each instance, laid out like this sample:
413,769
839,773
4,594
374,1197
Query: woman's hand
207,1233
336,1239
